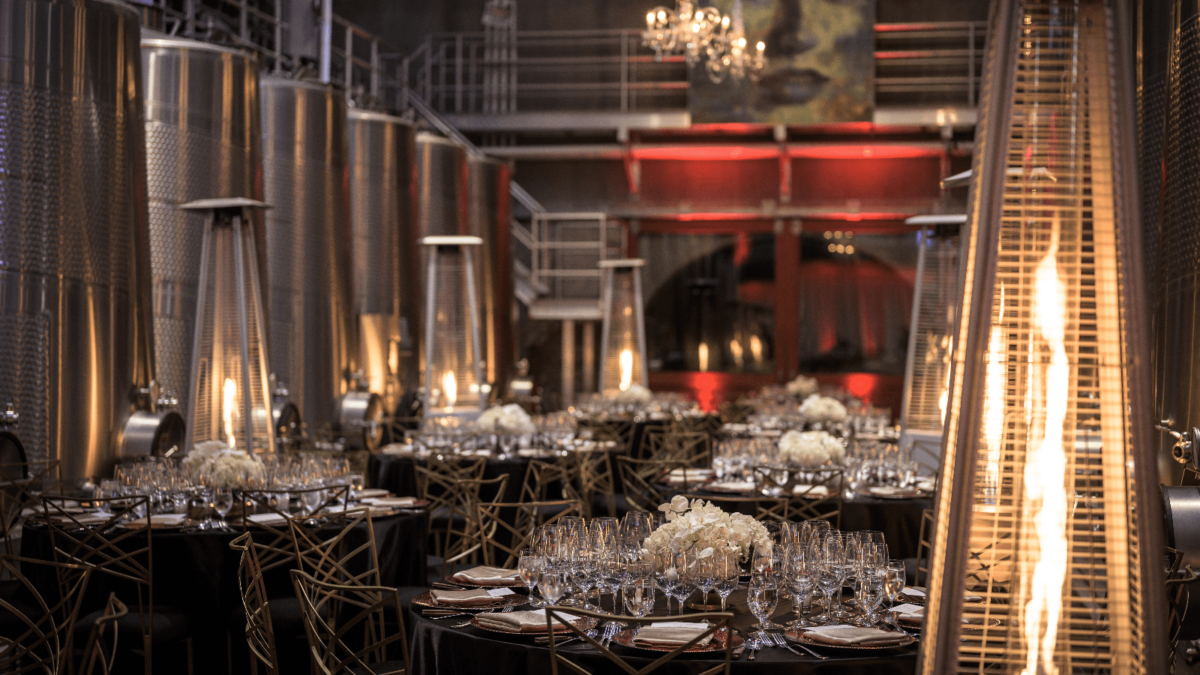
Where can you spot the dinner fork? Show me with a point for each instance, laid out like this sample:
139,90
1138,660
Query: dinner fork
494,611
783,643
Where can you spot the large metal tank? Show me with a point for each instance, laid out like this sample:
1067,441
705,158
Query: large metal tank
489,217
313,335
203,141
383,192
442,209
76,353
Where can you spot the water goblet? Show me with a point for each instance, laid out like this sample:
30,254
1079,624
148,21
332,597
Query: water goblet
553,583
530,567
222,501
638,590
763,597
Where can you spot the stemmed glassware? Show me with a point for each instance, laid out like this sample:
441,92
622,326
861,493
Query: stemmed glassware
701,574
222,501
763,597
638,589
829,569
727,573
799,575
893,583
669,576
530,566
553,583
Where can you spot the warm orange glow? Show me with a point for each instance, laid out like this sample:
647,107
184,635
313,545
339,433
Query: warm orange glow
1045,471
703,354
756,348
449,389
735,348
228,410
993,402
626,363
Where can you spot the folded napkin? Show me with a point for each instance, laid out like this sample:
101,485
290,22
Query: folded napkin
671,634
811,490
910,612
926,486
487,576
733,486
690,473
889,490
472,598
373,493
393,502
532,452
82,518
855,636
266,519
532,621
161,520
397,449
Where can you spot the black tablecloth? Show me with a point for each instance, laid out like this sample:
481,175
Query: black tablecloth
439,649
197,572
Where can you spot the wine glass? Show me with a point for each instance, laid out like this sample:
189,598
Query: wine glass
701,573
829,576
553,583
799,579
727,572
763,597
868,591
667,576
682,590
222,500
638,590
530,567
612,572
893,583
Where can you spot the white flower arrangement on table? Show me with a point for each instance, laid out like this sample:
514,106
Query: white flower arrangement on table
803,386
223,466
636,393
505,419
810,449
817,408
702,526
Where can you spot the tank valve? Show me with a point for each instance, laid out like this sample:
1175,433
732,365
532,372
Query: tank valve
1186,444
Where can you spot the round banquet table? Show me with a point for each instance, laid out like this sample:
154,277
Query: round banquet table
439,649
398,474
196,572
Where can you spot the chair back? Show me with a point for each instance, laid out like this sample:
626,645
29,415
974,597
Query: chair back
550,481
720,628
691,447
325,548
643,480
371,614
42,643
260,633
124,553
924,546
594,468
619,431
765,509
812,494
506,528
462,541
437,479
20,485
101,651
274,508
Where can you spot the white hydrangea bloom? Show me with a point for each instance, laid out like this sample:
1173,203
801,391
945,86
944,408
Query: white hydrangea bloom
506,419
222,465
803,386
636,393
817,408
810,449
705,527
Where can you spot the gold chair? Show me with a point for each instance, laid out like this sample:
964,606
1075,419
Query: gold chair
514,523
818,497
735,412
595,472
124,554
770,509
101,653
550,481
364,614
35,636
437,482
692,447
20,485
277,548
463,540
260,630
619,431
644,489
924,545
333,559
721,627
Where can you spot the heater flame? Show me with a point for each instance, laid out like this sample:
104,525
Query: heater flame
993,402
735,348
756,348
626,363
703,354
1045,472
449,388
228,409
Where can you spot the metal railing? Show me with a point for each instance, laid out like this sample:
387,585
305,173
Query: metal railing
937,63
256,25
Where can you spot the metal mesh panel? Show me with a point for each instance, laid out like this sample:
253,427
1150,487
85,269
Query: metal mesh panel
936,294
623,336
452,376
1046,435
230,399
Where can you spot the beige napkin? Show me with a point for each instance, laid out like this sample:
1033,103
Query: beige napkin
533,621
858,637
394,502
910,612
733,486
397,449
811,490
161,520
532,452
373,493
890,490
266,519
671,634
488,576
472,598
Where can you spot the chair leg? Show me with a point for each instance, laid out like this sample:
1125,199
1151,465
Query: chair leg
147,655
190,664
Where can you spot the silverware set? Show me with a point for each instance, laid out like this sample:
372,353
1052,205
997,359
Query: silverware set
494,611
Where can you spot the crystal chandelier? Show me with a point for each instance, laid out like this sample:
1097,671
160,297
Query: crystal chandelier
703,33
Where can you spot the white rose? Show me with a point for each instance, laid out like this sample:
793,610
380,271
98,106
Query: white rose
803,386
817,408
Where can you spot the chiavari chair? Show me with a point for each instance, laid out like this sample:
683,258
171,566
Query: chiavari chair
644,480
101,652
505,528
20,485
259,626
596,480
274,508
692,447
734,412
324,548
819,498
124,555
761,508
720,627
550,481
364,618
437,482
619,431
36,636
463,540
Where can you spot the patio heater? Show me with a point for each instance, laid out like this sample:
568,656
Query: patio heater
453,372
229,398
931,339
1049,507
623,332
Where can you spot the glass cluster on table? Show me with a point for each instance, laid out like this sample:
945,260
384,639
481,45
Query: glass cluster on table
450,435
866,463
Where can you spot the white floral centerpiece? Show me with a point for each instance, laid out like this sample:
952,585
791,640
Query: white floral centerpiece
636,393
223,466
817,408
505,419
810,449
803,386
702,526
